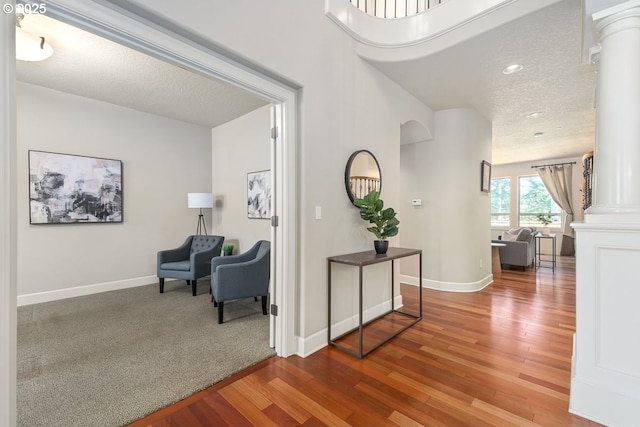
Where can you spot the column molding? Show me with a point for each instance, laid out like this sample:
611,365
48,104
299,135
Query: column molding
616,197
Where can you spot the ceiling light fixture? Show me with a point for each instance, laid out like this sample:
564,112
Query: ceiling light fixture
511,69
534,114
30,47
538,134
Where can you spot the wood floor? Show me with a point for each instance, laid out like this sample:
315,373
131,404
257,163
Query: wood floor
499,357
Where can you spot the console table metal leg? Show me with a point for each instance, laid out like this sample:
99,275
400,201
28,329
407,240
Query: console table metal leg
420,283
329,302
392,286
360,315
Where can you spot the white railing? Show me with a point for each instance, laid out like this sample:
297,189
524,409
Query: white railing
394,8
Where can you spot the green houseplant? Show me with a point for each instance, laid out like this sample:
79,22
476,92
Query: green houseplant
227,249
385,223
545,220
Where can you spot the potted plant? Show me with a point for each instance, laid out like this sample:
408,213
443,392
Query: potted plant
227,249
545,220
385,223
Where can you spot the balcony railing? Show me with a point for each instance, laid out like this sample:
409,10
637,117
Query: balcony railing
394,8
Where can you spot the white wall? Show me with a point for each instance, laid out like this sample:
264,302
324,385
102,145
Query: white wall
238,147
345,105
516,170
162,159
452,225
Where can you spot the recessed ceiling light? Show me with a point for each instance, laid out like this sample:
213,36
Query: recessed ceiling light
534,114
512,69
538,134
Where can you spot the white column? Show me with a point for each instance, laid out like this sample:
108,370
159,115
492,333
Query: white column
617,153
605,382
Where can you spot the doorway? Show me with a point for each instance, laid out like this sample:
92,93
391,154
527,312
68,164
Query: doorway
133,31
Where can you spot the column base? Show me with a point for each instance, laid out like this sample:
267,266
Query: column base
612,215
605,373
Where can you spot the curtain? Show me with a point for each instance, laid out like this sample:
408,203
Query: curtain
557,180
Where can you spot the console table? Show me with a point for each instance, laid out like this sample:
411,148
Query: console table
360,260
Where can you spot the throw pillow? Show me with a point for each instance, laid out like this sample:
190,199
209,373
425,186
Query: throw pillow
524,235
509,236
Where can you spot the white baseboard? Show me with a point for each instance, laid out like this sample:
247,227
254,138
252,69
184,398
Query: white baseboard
449,286
317,341
79,291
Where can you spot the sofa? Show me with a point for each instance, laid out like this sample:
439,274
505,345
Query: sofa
519,249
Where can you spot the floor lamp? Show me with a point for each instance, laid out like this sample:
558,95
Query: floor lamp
200,201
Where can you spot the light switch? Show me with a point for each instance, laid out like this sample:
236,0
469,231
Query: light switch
416,202
318,212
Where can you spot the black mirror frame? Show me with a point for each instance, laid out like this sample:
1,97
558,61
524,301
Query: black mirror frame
347,172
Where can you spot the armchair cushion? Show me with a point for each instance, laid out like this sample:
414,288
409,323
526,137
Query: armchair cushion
178,265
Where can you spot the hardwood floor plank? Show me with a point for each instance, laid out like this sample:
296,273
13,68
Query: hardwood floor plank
313,407
402,420
498,357
245,407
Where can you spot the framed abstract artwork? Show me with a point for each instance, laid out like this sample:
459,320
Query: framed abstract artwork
66,188
259,194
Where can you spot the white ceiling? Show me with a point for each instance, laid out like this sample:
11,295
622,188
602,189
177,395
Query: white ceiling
87,65
554,82
547,43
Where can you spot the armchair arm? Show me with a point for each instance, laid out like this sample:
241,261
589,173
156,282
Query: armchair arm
241,280
514,253
178,254
231,259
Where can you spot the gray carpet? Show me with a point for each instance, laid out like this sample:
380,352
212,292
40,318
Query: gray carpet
111,358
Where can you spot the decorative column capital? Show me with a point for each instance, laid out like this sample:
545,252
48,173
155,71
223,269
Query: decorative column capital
623,16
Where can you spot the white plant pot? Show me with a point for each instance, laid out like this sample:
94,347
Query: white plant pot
545,230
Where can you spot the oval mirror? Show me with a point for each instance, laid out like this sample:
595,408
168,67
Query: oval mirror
362,175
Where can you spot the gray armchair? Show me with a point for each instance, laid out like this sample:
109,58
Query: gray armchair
241,276
189,261
519,249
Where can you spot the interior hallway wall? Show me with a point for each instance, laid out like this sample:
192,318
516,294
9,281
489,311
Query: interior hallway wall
452,224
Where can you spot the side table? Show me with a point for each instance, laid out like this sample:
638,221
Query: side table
539,255
496,265
360,260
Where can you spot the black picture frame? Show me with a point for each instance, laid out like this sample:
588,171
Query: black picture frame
485,176
68,189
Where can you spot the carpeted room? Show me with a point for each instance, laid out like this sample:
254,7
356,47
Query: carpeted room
108,359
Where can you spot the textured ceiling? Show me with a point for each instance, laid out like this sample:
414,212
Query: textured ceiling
548,43
90,66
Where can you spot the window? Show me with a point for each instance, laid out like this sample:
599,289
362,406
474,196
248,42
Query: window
535,200
500,202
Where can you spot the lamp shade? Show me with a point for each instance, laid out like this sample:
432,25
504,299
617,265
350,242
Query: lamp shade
200,200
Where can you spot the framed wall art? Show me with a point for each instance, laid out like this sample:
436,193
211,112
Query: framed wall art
259,194
66,188
485,176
